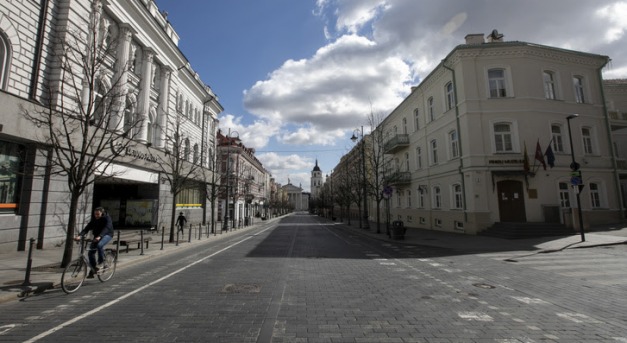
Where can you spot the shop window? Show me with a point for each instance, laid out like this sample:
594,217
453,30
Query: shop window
11,169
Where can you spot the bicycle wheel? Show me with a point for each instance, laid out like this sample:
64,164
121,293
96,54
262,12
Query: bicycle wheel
73,276
108,268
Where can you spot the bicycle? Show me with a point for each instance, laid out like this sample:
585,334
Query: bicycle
75,273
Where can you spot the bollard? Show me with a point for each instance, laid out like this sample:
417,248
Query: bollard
162,236
141,235
177,238
189,236
29,263
199,231
117,244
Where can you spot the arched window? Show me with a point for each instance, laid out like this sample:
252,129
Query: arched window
5,60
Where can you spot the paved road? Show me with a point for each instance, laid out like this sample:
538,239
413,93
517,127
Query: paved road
299,280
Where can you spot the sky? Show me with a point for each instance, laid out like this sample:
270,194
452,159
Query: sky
296,78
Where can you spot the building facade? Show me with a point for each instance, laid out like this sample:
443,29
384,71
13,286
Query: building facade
485,138
99,68
245,183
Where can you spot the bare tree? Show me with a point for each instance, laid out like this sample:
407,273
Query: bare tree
375,160
180,167
212,187
85,121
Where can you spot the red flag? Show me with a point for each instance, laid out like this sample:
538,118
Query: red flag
540,155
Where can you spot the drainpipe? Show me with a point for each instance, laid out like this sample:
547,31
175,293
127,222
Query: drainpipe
608,127
34,80
459,139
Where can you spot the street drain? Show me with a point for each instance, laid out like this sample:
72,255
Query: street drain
241,288
483,285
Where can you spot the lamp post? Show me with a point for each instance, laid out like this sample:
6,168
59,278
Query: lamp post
363,174
576,179
229,138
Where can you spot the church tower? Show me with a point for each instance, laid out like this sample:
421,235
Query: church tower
316,181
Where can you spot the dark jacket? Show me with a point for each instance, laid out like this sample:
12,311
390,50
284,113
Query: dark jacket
99,227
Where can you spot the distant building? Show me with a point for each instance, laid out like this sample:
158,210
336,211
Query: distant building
316,182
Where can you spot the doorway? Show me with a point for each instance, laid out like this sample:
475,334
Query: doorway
511,201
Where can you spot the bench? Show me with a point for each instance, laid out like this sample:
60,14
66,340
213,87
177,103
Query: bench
128,238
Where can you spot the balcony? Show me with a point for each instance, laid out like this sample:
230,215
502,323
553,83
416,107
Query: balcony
396,143
621,164
399,178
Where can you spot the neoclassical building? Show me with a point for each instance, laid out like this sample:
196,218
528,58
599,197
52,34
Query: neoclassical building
112,66
485,138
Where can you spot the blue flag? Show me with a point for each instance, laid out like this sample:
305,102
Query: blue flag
550,157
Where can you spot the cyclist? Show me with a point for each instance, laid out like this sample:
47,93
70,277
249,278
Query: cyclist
102,229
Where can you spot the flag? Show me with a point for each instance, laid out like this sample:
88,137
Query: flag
540,155
550,157
526,166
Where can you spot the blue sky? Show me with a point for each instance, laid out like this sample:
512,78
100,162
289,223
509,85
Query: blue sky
296,77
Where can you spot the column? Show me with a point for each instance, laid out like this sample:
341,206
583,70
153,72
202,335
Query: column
94,30
143,105
164,98
121,77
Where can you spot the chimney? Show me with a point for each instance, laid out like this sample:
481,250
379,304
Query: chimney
474,38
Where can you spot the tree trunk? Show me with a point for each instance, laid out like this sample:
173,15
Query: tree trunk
172,219
71,228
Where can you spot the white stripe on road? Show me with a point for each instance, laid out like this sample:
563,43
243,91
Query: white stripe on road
115,301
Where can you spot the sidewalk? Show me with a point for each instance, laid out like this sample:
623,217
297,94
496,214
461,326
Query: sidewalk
46,273
462,243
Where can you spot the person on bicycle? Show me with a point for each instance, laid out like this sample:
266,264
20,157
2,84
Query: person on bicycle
101,227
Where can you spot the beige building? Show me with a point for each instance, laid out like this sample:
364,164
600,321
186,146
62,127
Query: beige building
456,145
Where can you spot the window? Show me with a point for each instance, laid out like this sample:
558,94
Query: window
434,151
503,137
579,91
187,150
557,139
5,60
549,84
454,144
586,136
418,158
595,195
11,163
408,198
431,109
450,96
404,126
421,197
189,197
406,161
196,154
496,81
416,120
457,196
564,195
437,197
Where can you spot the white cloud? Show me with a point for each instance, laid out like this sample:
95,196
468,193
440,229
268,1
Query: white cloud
377,49
615,15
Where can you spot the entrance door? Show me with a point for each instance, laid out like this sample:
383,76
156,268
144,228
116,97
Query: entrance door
511,201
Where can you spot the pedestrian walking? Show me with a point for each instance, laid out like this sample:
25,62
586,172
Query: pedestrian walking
180,223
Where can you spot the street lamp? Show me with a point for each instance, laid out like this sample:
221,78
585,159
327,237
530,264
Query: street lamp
576,179
363,173
229,138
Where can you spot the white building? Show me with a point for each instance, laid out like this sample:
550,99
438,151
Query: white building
142,85
457,143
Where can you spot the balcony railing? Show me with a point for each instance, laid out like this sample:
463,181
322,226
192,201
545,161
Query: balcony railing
399,178
396,143
621,164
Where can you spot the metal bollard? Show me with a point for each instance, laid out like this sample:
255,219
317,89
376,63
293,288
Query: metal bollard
162,236
29,263
141,235
189,236
199,231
